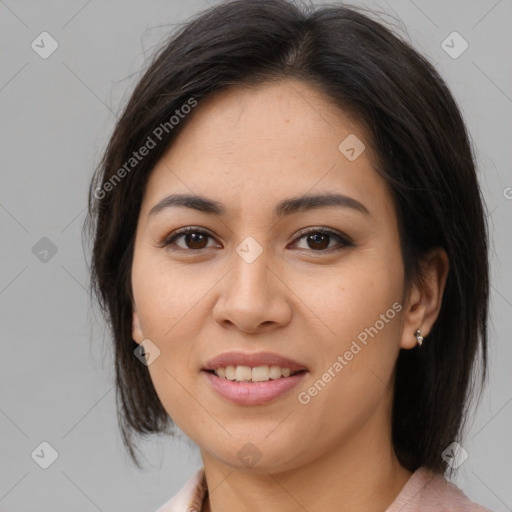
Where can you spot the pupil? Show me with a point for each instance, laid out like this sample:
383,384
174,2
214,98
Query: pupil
316,240
320,241
196,239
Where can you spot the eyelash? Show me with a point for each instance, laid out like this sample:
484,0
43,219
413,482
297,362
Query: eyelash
343,241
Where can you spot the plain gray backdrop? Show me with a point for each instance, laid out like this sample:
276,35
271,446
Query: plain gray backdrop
56,117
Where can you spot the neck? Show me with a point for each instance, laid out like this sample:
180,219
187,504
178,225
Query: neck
362,474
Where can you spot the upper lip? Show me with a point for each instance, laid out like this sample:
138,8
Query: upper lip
252,360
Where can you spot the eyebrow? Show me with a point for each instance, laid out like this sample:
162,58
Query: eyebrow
282,209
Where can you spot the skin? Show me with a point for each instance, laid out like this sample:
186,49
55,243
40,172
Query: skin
249,148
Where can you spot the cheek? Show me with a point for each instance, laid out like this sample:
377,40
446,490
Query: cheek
356,365
360,311
164,296
166,308
171,302
349,300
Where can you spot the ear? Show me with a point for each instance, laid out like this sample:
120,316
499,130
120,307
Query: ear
426,297
136,329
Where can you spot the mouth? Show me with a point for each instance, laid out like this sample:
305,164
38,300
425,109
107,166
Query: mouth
253,374
256,367
253,379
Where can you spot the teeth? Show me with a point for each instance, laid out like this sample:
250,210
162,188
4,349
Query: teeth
256,374
243,373
275,372
261,373
230,373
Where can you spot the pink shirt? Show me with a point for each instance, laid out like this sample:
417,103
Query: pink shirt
425,491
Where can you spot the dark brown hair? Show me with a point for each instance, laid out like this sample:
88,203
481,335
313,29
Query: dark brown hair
423,153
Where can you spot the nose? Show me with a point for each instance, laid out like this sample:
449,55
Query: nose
253,297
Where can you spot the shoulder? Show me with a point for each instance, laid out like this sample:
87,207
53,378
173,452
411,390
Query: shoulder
427,491
190,497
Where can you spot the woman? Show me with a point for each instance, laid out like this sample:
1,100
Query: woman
291,248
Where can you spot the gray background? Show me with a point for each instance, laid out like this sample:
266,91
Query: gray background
56,368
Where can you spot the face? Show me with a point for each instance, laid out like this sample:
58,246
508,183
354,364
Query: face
318,286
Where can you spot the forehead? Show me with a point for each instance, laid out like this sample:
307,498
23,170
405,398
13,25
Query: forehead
252,146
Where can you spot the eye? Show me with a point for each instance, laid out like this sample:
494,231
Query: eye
193,237
318,239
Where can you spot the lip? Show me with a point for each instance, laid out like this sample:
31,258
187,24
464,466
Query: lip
252,393
252,360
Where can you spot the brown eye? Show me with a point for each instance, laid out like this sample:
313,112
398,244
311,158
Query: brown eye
193,239
319,239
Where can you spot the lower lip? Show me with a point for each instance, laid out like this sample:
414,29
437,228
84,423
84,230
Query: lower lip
253,393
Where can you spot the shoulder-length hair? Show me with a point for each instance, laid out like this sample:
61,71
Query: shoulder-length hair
422,151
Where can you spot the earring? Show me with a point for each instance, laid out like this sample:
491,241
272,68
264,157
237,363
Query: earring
419,337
